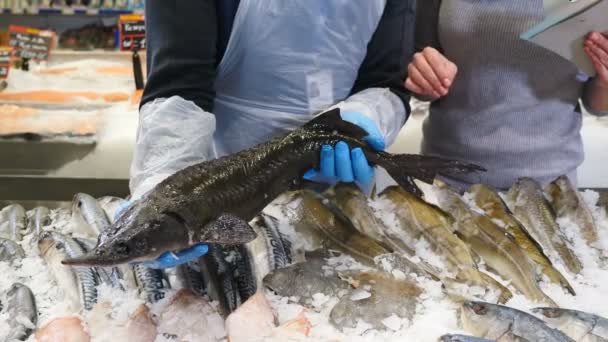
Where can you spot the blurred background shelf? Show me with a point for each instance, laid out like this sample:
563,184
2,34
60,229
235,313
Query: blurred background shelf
68,12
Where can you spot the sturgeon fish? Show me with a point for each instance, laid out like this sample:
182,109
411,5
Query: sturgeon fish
213,201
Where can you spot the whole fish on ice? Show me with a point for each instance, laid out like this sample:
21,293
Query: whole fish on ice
213,201
507,324
380,297
78,282
529,205
580,326
491,203
568,204
86,208
420,220
10,250
13,222
39,217
22,313
498,249
304,280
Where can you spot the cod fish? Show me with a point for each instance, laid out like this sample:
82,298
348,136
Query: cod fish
348,202
568,203
382,296
497,248
528,204
10,250
22,313
506,324
38,218
334,232
86,208
189,317
580,326
78,281
488,200
304,280
13,221
462,338
423,220
213,201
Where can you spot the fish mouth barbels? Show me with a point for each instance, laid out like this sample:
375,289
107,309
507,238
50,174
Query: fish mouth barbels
213,201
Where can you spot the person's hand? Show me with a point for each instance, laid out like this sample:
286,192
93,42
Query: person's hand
596,47
169,259
341,164
430,74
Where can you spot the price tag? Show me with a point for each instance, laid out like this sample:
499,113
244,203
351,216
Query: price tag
30,43
132,31
5,61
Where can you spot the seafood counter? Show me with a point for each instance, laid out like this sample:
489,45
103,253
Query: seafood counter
528,264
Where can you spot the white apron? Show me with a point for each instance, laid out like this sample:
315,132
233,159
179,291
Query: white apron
285,61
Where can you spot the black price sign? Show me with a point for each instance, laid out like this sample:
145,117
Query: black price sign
30,43
5,61
132,30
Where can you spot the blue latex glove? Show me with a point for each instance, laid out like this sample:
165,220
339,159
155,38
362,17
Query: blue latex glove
340,164
169,259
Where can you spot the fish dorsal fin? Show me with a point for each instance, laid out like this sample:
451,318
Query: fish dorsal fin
227,229
331,120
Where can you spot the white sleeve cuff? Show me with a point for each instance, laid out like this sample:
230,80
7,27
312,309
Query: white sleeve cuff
382,106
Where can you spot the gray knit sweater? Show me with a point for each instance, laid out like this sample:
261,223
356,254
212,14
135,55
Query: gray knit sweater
513,106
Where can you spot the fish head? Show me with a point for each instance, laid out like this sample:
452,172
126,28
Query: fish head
481,319
142,233
279,279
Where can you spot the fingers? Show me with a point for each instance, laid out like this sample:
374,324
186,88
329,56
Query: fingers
430,74
337,164
599,39
422,63
418,78
596,47
328,162
344,169
442,67
413,87
364,173
601,69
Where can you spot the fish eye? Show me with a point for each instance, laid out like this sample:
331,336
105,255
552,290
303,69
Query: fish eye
122,248
140,244
479,309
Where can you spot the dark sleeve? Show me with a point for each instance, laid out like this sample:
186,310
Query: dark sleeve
390,51
427,23
181,38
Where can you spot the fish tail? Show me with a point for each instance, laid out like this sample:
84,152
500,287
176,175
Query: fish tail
403,168
556,277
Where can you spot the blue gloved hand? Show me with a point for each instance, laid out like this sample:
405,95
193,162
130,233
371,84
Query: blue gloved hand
340,164
169,259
